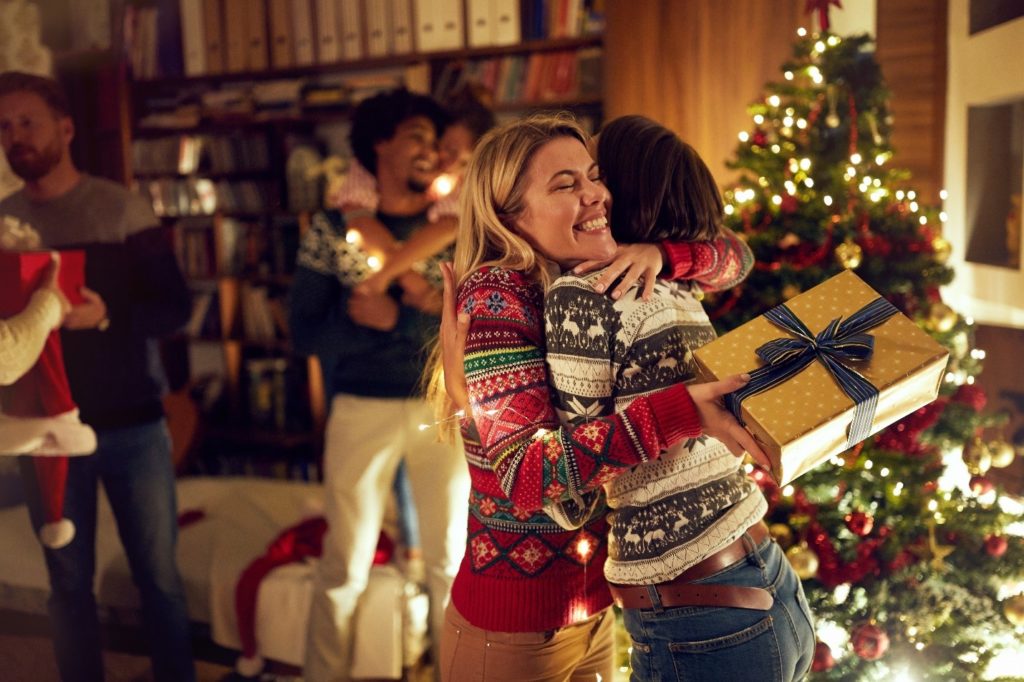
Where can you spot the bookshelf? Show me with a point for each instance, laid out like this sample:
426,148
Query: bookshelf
217,151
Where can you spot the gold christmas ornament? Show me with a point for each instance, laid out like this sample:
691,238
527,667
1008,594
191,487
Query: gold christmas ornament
789,291
803,561
782,534
1002,454
849,254
942,249
977,457
941,318
1013,609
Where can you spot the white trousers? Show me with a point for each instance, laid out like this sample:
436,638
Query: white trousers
364,441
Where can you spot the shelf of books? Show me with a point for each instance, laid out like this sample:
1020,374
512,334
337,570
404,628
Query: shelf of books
239,128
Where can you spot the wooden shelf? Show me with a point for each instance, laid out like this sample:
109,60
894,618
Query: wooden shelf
550,45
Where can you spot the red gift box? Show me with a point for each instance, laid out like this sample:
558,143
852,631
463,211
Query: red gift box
21,272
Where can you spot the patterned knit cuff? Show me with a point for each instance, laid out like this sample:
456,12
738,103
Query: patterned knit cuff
676,415
680,258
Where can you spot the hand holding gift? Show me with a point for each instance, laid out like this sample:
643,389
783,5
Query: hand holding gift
828,368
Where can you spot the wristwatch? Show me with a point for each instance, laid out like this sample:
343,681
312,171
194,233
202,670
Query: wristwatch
103,324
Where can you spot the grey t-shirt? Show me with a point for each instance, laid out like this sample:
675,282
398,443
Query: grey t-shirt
96,210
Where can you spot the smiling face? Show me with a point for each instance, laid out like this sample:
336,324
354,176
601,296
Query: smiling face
33,137
565,205
410,155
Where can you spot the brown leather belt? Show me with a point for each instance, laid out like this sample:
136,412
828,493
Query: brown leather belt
680,591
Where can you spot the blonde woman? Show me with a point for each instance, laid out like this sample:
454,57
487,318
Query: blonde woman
529,601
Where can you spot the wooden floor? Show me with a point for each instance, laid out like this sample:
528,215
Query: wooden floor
29,658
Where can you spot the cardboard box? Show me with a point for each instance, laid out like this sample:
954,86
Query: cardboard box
804,420
21,272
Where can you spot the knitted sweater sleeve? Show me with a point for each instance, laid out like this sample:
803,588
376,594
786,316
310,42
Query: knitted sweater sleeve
534,458
715,265
22,336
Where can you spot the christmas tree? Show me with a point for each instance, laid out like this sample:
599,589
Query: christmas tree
911,558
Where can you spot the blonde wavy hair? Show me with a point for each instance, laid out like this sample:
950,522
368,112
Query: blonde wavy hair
492,198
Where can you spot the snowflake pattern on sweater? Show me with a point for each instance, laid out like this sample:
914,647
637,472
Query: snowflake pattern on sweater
522,571
603,355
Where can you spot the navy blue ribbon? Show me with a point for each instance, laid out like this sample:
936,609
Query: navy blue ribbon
840,343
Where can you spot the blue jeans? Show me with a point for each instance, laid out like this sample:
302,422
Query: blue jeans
718,644
134,464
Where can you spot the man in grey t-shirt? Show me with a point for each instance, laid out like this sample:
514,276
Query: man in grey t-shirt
135,295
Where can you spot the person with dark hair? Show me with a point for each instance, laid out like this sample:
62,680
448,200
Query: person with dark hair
704,589
530,601
372,348
137,294
469,120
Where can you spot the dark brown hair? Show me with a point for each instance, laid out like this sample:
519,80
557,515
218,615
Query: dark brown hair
660,187
48,89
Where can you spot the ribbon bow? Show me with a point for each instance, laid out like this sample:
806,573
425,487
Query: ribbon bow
840,343
821,7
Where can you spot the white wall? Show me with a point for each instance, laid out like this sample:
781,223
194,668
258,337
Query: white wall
856,16
986,68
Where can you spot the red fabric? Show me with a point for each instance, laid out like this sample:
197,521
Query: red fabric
293,544
43,391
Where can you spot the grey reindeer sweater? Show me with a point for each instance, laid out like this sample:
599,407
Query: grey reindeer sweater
667,514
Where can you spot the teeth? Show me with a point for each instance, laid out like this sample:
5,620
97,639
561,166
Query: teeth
595,224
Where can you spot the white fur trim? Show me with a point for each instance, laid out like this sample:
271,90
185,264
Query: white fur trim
58,534
249,666
60,435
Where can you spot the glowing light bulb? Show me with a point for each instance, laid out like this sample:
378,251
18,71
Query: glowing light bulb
819,46
729,209
776,149
443,185
943,216
827,199
805,164
788,75
758,119
353,237
374,263
856,158
809,182
776,199
801,31
834,40
583,548
774,100
744,136
943,194
923,220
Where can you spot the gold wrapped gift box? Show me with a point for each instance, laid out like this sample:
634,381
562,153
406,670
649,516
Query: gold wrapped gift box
804,420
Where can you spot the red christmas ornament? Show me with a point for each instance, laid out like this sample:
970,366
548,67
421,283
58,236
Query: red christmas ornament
789,204
823,659
980,485
996,545
971,395
860,523
870,642
759,138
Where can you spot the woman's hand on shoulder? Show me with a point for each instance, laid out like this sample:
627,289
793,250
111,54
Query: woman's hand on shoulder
632,263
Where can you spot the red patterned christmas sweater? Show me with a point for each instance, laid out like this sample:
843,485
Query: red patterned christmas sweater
522,572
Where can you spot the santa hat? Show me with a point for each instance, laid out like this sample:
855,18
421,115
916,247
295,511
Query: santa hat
39,415
44,391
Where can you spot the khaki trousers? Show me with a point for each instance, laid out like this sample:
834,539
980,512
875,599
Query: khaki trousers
583,652
365,439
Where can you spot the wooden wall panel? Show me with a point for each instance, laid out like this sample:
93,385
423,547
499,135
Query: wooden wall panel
913,51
